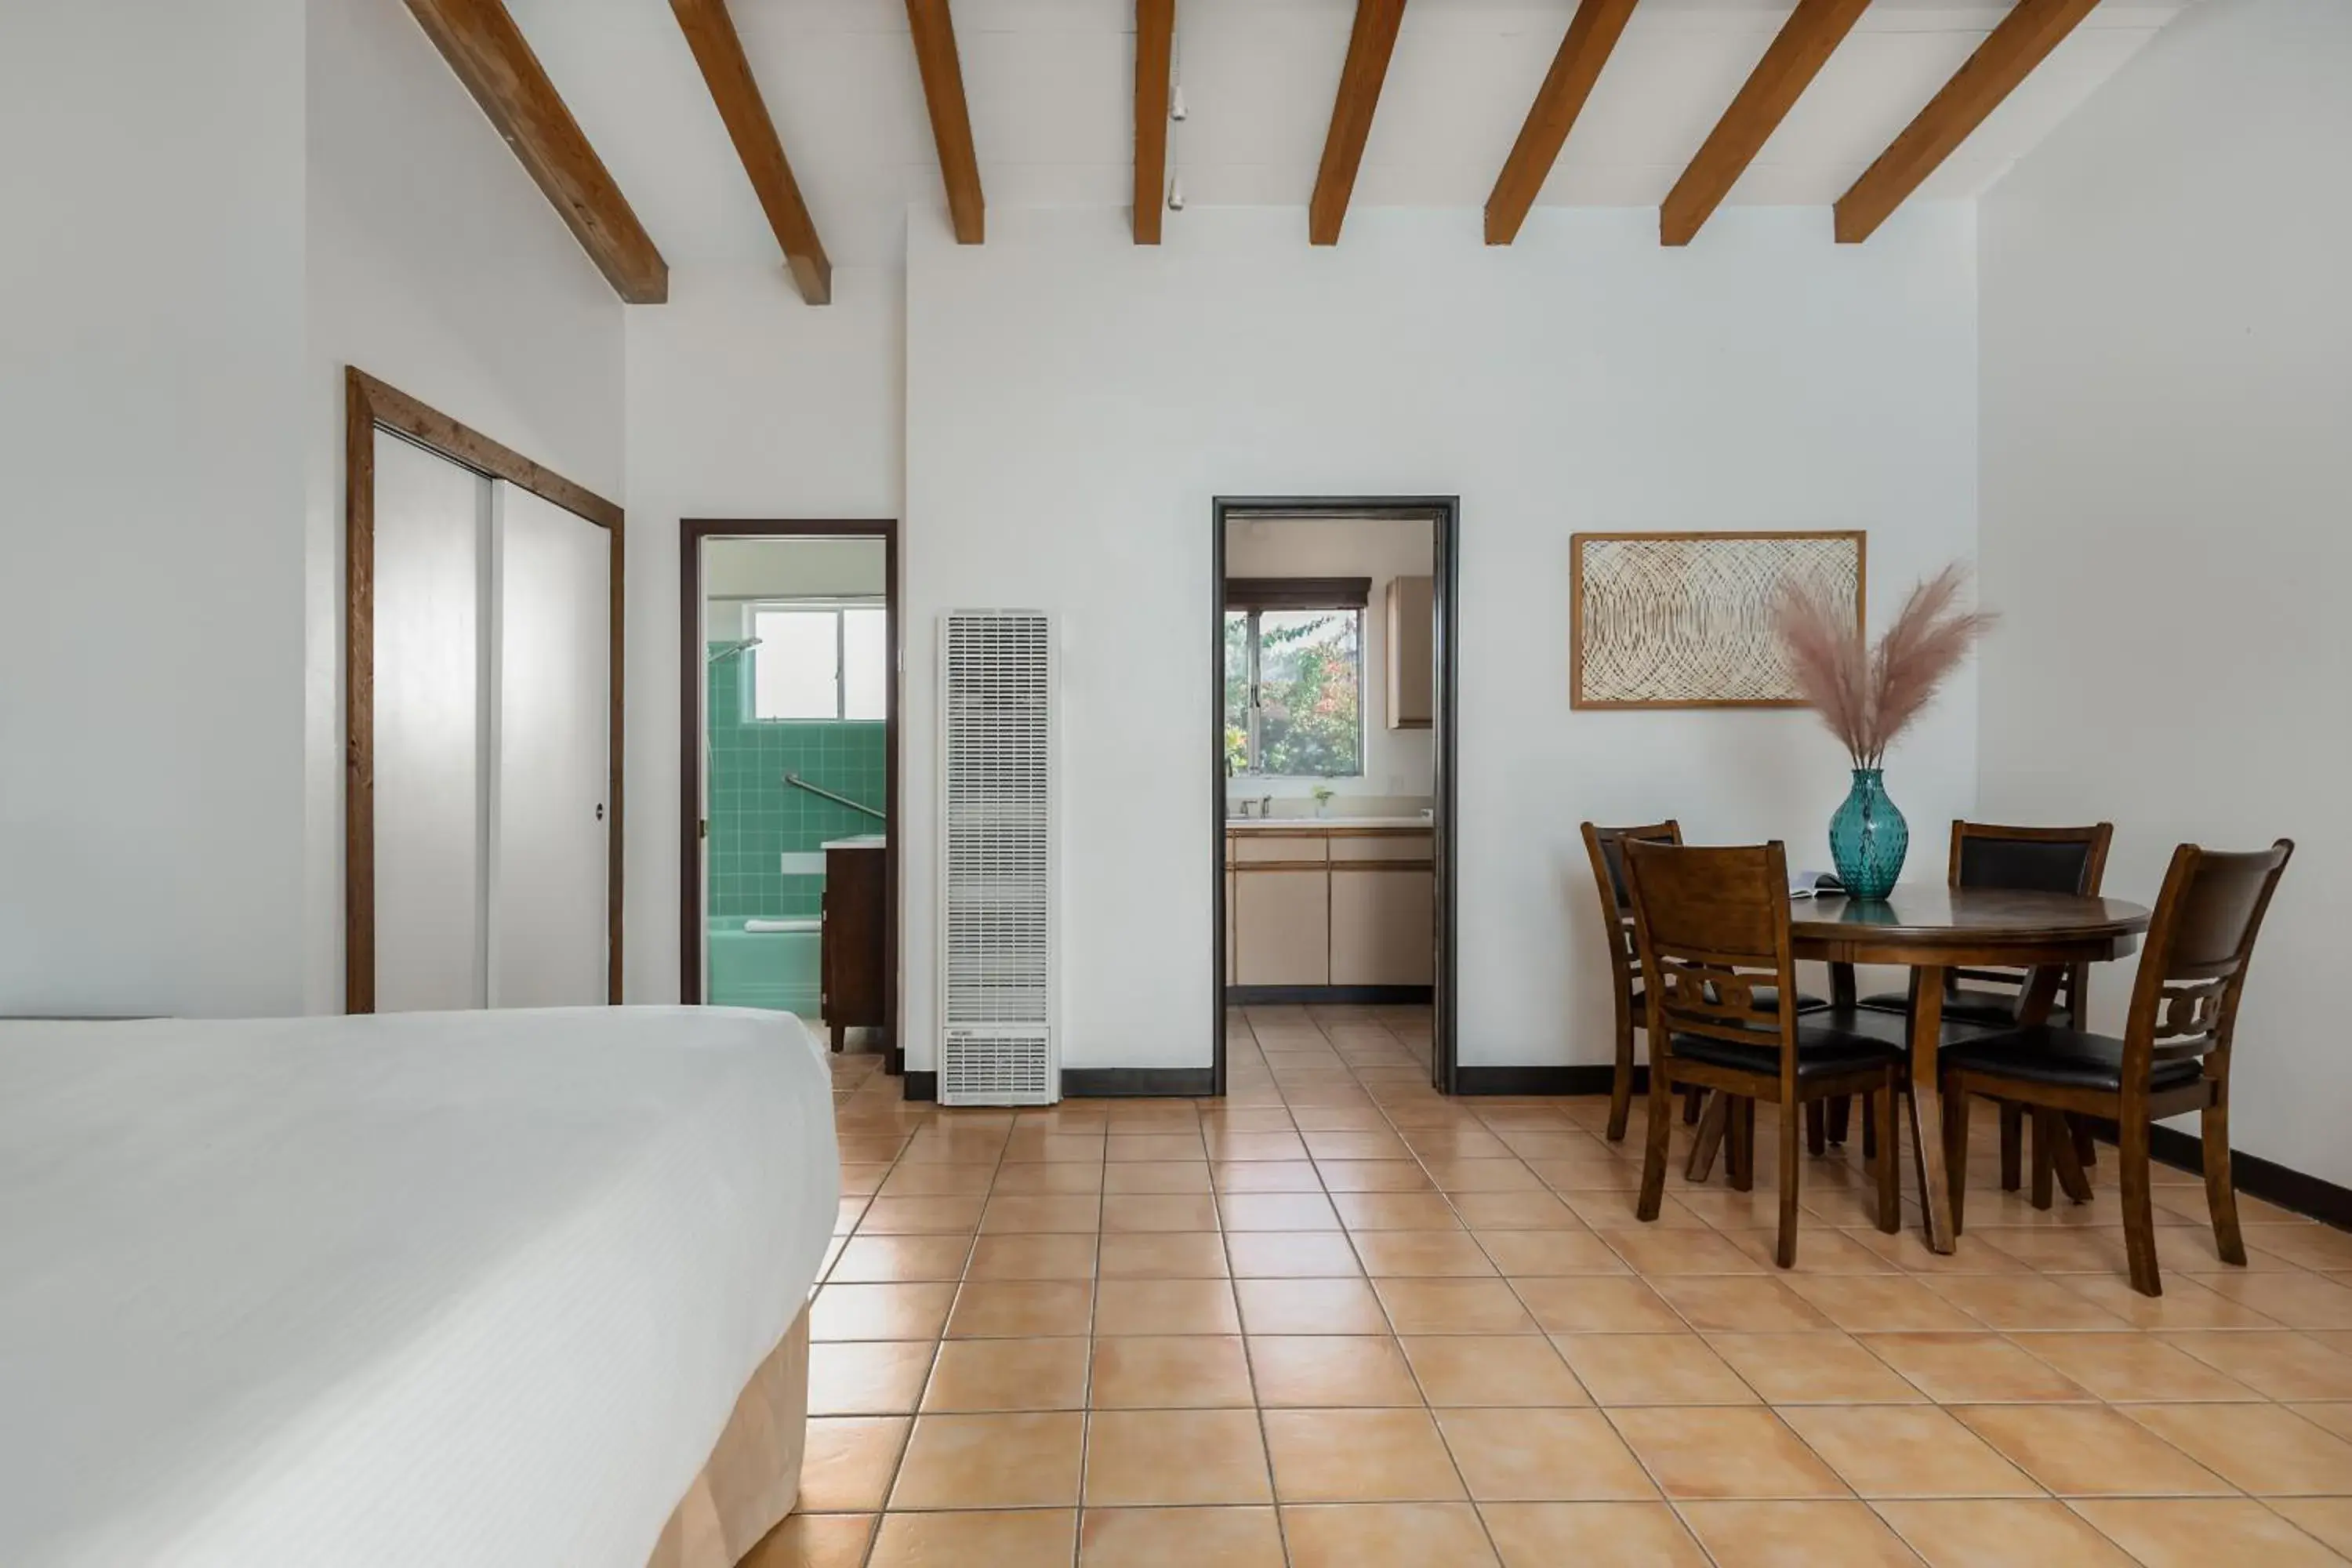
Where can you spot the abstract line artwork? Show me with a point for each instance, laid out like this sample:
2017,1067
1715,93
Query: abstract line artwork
1685,620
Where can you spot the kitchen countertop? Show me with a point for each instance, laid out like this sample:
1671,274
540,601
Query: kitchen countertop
1321,824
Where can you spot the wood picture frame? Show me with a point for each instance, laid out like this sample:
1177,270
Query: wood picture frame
1723,675
370,405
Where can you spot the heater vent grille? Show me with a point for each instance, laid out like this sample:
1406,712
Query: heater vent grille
997,875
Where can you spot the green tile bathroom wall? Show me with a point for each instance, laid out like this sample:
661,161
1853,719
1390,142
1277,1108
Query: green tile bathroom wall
756,818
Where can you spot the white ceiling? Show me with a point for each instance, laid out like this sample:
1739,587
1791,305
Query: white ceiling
1050,85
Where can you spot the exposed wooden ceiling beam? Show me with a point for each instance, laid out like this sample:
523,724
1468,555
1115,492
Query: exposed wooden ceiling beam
487,50
1811,35
719,50
2006,57
935,57
1592,34
1370,44
1155,41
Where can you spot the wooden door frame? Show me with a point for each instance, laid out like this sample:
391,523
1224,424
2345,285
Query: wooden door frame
1445,515
693,533
370,405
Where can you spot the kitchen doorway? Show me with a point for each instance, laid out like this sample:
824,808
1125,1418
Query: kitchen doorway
788,708
1333,760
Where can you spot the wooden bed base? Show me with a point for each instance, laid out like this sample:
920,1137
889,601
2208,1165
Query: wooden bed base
754,1477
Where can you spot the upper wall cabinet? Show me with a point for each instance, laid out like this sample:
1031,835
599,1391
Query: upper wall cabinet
1409,620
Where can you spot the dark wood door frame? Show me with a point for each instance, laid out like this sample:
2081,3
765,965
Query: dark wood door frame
370,405
692,532
1445,515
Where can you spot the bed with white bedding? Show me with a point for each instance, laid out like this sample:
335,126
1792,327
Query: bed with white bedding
425,1289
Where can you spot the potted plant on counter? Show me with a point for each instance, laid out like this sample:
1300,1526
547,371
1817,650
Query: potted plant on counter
1867,697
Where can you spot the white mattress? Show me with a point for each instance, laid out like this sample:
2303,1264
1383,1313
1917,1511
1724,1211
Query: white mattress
433,1288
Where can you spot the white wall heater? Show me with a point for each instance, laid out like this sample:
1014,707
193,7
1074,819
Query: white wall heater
997,958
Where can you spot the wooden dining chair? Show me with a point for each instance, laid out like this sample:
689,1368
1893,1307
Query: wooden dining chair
2031,859
1720,984
2174,1055
1606,845
2023,859
1606,848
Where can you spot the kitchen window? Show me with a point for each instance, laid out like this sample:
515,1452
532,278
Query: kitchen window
1295,677
819,662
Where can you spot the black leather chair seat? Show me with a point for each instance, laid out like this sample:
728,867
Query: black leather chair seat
1968,1005
1828,1041
2066,1058
1768,997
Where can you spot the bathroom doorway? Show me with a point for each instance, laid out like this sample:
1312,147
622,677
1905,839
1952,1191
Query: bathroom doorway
789,768
1333,761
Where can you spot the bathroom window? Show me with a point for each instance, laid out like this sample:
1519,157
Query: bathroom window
1294,676
815,662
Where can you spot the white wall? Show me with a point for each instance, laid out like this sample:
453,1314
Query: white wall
739,572
812,568
2167,360
745,402
435,265
150,388
1074,404
1397,763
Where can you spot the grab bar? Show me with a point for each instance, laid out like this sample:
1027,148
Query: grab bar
799,783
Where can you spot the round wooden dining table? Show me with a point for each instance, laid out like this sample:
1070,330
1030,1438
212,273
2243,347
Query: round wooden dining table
1932,929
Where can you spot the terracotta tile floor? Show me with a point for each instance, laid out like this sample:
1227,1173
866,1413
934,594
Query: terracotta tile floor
1337,1318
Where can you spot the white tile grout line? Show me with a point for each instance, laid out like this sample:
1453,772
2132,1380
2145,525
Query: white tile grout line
905,1142
1649,1472
1249,1357
1380,1109
1484,1530
1674,1505
882,1513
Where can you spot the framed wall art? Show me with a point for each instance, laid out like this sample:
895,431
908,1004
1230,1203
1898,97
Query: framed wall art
1685,620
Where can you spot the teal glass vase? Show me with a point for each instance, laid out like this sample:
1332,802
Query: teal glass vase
1868,837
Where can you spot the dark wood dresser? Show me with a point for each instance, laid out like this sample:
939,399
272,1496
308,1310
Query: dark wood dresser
857,979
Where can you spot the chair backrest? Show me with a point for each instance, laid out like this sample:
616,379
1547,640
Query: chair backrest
1711,925
2200,942
2030,860
1607,847
2037,860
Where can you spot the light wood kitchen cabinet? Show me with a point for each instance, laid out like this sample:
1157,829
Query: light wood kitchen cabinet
1411,612
1384,924
1279,921
1413,846
1330,907
1303,851
1281,927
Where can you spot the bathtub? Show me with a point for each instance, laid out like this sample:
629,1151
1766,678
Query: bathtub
776,968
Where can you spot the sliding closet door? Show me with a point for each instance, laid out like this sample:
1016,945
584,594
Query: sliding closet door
431,528
549,839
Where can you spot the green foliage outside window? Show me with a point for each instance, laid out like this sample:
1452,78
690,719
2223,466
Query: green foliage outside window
1309,709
